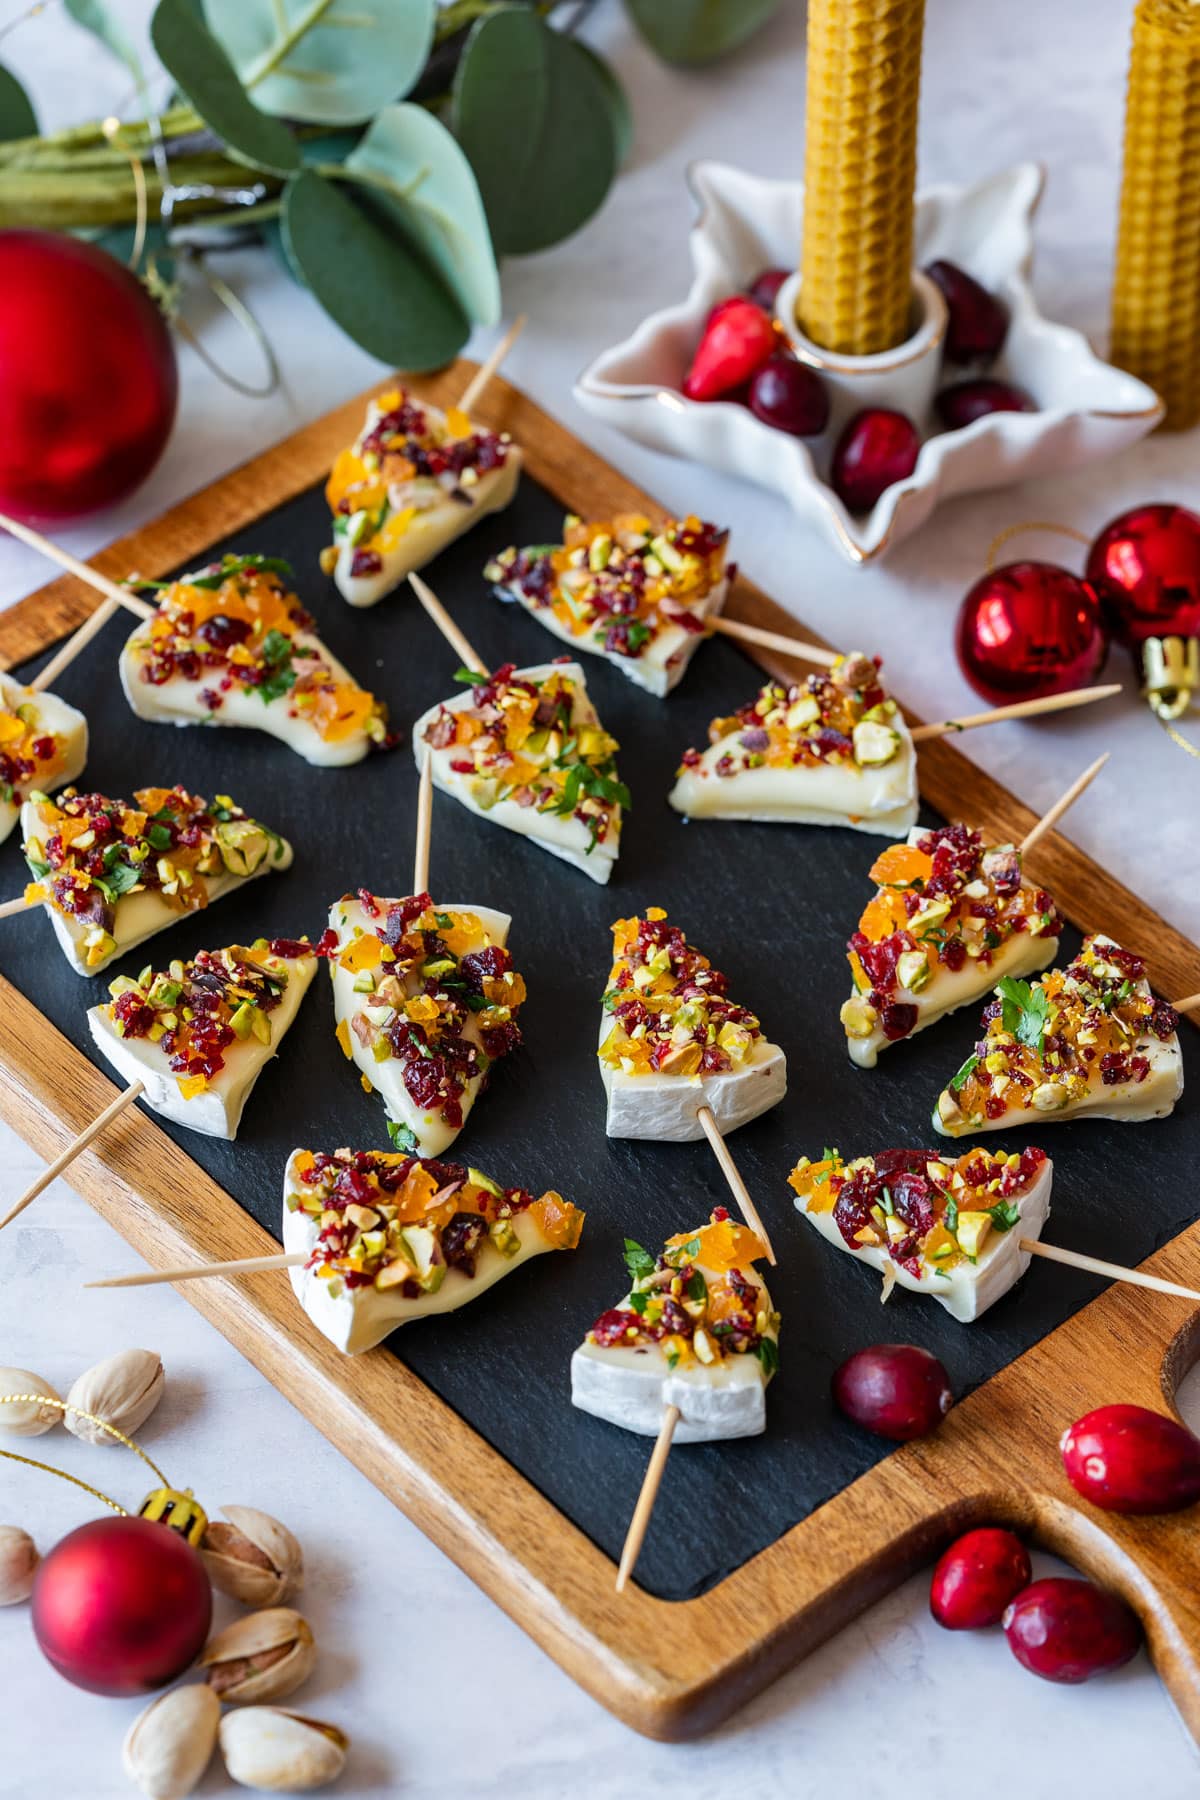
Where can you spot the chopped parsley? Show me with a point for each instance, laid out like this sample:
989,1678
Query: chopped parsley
1026,1011
471,677
767,1352
1005,1215
638,1260
958,1080
276,652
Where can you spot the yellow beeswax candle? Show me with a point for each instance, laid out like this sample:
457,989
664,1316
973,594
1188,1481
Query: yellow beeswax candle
864,77
1156,291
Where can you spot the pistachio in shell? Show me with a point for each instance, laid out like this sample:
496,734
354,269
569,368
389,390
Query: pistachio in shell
282,1752
18,1564
26,1418
170,1744
252,1557
264,1656
123,1389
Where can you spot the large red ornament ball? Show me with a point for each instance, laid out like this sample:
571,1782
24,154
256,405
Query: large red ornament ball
1145,567
122,1606
1029,629
88,382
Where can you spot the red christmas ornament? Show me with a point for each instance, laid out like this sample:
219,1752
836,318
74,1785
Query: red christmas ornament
88,382
1029,629
1145,566
122,1606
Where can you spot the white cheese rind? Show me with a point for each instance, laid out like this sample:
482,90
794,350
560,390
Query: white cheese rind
428,534
968,1289
434,1136
662,664
879,800
632,1387
666,1107
58,720
217,1110
564,838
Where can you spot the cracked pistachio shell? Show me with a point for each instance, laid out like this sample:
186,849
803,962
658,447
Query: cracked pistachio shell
18,1563
26,1419
124,1389
281,1751
264,1656
252,1557
169,1746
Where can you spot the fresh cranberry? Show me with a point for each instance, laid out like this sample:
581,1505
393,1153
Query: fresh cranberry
978,322
1069,1630
792,397
738,338
764,289
967,401
977,1577
898,1391
1129,1459
877,448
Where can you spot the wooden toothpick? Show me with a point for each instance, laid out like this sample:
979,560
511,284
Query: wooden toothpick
1189,1004
1022,709
474,389
737,1186
246,1265
651,1482
424,827
115,596
19,905
772,640
454,637
74,1149
1050,819
1093,1265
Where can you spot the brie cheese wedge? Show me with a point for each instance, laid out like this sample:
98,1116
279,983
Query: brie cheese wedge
430,1236
423,1025
831,750
43,746
526,749
188,1075
413,482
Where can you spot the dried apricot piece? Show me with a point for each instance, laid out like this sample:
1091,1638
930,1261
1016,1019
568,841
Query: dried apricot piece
901,865
884,915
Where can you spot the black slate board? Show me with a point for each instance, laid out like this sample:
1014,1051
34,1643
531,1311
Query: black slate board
771,905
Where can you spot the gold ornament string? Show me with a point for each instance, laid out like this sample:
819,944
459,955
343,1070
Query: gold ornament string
1012,531
64,1406
1177,737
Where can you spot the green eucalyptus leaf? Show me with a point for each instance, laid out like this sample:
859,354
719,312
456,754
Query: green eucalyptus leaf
17,117
429,189
618,102
368,278
191,54
328,62
98,18
697,31
535,119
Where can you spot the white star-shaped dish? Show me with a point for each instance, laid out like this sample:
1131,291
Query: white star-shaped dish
1086,408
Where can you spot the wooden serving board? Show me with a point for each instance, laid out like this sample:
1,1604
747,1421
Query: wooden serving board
670,1667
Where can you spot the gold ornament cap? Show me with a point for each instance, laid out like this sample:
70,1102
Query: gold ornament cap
178,1510
1170,674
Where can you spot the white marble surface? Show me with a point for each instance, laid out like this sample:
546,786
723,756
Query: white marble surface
395,1620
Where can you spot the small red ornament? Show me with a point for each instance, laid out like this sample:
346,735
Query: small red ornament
122,1606
1145,566
88,382
1030,629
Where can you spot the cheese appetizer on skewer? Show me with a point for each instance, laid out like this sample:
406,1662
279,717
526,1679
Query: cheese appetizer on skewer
198,1034
43,745
672,1042
232,645
426,999
111,873
1088,1041
951,917
635,593
950,1229
392,1238
830,750
526,749
696,1331
414,480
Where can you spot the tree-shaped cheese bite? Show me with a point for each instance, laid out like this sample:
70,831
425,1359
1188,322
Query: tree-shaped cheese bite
833,749
414,480
197,1034
1088,1041
232,645
635,593
526,749
43,746
391,1238
111,873
426,1000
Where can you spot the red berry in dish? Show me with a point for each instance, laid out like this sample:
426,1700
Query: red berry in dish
1128,1459
738,338
790,396
876,449
764,289
898,1391
977,1577
1068,1630
978,322
967,401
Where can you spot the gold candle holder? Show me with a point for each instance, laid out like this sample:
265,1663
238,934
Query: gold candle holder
864,77
1156,290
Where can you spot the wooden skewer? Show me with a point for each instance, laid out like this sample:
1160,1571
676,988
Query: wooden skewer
461,645
114,596
1190,1004
424,828
474,388
19,905
74,1149
772,640
1050,819
1023,709
246,1265
651,1482
1075,1259
737,1186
